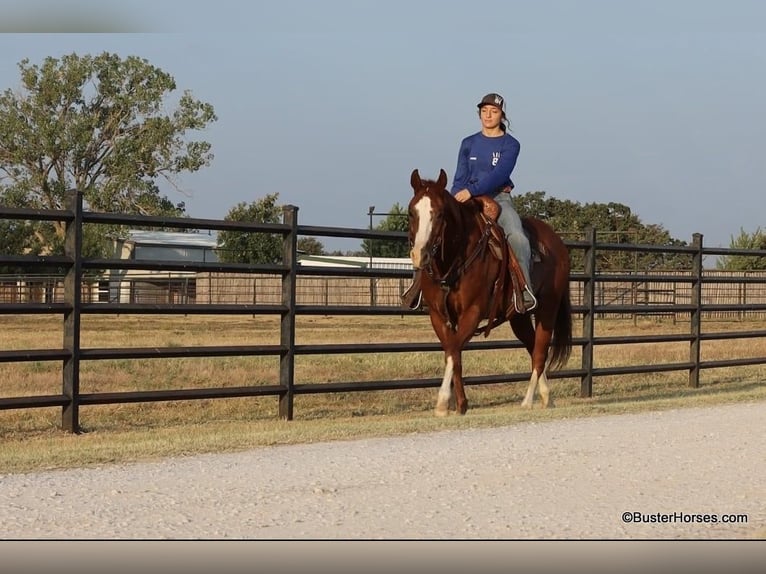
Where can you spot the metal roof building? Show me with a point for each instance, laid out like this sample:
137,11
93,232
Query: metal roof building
168,246
358,261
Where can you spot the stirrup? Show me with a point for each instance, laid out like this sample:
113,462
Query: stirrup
418,302
526,306
410,302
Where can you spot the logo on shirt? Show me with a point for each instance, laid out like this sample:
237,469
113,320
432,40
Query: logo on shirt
495,158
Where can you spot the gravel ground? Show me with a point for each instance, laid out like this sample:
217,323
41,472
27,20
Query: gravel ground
566,479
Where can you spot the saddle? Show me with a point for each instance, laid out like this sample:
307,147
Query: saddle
499,247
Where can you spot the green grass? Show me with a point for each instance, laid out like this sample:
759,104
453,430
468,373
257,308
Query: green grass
32,440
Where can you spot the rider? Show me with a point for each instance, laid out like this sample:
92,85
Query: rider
484,165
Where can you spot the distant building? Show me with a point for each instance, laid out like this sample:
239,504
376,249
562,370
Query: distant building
148,286
357,261
167,246
152,286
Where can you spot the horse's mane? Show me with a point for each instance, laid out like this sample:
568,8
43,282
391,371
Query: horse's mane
469,207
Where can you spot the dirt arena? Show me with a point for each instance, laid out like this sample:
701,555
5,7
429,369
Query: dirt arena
697,473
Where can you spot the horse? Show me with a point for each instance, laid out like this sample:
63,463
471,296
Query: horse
464,282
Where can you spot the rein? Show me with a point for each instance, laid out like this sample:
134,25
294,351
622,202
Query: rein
454,272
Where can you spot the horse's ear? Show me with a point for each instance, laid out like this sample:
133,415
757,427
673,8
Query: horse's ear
415,180
442,181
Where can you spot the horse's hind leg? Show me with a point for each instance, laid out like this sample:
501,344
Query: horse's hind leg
529,397
545,393
538,380
525,332
543,336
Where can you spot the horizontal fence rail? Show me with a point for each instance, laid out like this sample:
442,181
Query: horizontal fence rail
288,290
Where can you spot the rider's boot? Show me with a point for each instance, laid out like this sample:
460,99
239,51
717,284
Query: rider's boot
529,302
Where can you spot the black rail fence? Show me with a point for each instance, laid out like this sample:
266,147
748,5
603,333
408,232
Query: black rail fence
587,305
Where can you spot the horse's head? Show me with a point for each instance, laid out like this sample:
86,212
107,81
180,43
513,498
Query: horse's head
426,217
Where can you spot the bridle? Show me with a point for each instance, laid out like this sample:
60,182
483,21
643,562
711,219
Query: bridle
448,279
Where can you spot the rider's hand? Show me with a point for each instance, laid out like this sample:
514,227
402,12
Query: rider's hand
463,195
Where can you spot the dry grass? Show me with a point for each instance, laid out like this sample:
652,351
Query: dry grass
32,440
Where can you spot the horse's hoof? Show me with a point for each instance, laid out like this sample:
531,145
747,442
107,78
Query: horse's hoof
527,406
441,412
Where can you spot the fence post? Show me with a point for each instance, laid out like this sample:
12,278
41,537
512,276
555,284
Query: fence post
287,329
742,297
70,416
589,300
696,314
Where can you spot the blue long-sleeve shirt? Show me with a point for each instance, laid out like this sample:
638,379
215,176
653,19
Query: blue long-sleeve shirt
485,164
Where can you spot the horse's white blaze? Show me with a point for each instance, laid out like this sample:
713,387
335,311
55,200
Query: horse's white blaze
425,224
445,391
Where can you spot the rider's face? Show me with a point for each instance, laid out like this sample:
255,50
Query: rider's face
491,116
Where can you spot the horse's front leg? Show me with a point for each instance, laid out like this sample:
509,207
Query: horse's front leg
447,337
469,321
461,402
453,343
445,390
453,379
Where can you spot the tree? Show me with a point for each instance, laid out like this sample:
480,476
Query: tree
252,247
614,223
347,253
396,220
310,246
13,236
755,241
96,124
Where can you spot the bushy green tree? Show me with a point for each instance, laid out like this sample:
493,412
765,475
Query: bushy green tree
754,241
97,124
614,223
395,220
310,246
13,238
252,247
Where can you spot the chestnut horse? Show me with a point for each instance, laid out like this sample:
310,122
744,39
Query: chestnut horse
459,274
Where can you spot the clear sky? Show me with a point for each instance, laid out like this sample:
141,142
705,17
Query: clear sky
659,105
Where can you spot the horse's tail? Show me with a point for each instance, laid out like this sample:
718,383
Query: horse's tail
561,344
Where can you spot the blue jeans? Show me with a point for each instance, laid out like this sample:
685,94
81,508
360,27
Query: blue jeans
510,221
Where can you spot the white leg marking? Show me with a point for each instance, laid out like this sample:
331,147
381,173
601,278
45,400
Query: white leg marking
530,396
425,225
545,393
445,391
